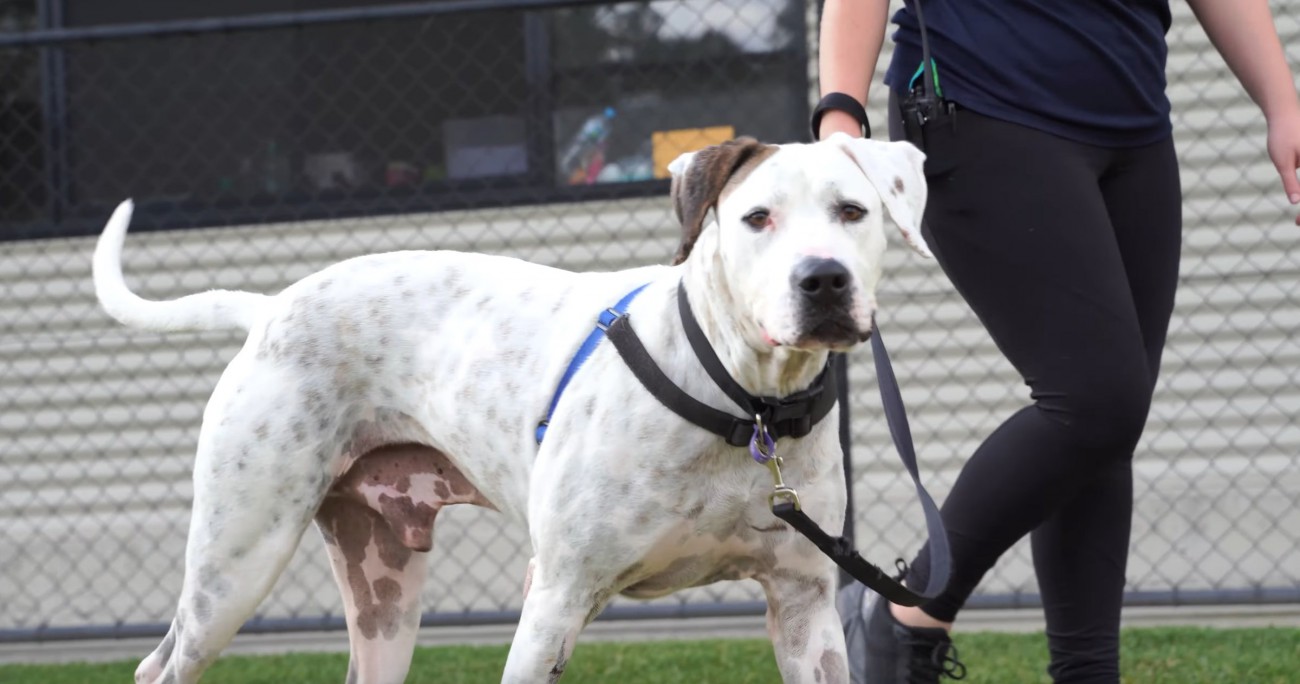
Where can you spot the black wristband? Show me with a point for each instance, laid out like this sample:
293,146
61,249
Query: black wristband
844,103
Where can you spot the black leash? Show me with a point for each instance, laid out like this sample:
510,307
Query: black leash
840,549
792,416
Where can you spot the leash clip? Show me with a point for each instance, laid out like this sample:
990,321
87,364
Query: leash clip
763,448
779,488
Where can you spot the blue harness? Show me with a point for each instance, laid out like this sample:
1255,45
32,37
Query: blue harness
606,318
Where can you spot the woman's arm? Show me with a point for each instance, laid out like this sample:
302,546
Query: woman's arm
1243,32
851,34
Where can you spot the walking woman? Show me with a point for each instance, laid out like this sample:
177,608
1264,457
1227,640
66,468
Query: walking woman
1055,210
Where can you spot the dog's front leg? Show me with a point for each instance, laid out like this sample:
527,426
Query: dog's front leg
804,626
556,608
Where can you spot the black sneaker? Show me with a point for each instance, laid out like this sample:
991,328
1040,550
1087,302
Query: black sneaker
898,654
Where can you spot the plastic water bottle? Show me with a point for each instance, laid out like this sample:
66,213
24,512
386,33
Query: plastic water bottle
585,155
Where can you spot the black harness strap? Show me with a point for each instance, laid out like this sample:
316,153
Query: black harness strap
735,430
709,358
792,416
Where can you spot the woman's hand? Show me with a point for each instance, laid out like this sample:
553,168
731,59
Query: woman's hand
1284,150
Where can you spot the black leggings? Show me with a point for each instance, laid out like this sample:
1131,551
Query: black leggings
1068,254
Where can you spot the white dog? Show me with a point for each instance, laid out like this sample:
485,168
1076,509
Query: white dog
374,392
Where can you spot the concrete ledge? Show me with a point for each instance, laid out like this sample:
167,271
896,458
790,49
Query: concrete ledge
641,630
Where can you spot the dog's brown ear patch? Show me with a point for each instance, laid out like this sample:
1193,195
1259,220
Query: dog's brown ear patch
698,188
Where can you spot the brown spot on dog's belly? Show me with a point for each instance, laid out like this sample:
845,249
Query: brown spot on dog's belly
407,484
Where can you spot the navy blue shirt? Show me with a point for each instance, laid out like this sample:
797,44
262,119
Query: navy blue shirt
1087,70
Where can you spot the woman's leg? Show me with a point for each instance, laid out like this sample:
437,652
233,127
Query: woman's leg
1080,552
1019,223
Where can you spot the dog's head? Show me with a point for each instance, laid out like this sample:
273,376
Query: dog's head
800,230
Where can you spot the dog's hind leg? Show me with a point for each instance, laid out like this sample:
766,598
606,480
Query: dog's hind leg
380,580
377,523
259,477
230,567
151,668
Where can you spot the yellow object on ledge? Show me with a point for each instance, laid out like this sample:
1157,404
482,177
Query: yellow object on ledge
668,145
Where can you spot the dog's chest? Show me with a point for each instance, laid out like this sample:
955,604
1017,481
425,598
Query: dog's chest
731,539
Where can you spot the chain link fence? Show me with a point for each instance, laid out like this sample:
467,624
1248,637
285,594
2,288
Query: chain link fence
262,147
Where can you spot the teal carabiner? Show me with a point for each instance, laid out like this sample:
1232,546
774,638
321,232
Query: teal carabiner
920,69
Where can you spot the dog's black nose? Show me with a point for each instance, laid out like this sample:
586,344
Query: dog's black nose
821,281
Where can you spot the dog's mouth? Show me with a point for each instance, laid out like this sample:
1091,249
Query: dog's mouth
833,332
836,333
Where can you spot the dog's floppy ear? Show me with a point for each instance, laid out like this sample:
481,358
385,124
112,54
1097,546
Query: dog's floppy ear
699,178
896,171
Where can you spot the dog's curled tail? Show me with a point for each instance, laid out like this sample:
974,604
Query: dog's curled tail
211,310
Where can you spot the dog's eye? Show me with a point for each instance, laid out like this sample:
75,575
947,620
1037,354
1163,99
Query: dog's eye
851,213
757,219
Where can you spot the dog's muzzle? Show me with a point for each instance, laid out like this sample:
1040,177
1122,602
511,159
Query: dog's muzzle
824,289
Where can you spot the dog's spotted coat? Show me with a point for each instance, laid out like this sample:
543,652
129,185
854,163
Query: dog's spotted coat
375,392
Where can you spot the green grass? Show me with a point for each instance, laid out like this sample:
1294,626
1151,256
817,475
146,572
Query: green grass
1151,656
